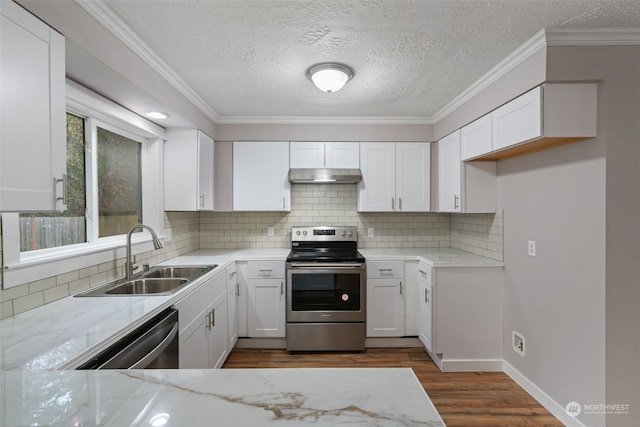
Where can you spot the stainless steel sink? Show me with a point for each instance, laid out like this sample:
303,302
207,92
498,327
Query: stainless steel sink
147,286
171,272
160,280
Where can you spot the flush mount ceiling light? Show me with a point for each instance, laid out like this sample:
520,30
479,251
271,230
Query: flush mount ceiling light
329,77
157,115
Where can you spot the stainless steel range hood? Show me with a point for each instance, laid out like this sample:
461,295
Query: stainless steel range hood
325,176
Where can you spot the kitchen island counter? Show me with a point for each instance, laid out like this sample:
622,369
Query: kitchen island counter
246,397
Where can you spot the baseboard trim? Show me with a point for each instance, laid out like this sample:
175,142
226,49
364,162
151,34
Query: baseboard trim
543,398
399,342
258,343
471,365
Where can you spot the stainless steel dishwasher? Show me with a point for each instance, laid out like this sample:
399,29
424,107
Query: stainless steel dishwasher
154,345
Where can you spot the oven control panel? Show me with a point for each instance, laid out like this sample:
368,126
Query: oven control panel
323,234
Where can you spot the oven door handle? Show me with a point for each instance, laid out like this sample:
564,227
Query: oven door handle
341,266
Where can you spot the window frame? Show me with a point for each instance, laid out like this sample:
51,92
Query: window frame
24,267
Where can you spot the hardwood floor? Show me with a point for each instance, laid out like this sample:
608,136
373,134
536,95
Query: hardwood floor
466,399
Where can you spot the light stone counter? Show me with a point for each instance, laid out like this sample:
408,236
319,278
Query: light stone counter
63,334
384,397
436,257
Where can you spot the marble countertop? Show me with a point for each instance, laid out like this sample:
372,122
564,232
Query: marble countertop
67,332
236,398
435,257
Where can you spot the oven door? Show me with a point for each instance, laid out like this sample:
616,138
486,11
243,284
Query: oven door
325,292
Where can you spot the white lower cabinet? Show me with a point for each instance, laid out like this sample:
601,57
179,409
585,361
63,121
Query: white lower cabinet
202,317
460,312
233,292
266,302
385,299
425,306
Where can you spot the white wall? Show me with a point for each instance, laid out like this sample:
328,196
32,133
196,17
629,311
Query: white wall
578,301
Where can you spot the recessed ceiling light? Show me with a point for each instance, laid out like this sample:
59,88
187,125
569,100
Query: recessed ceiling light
329,77
157,115
159,420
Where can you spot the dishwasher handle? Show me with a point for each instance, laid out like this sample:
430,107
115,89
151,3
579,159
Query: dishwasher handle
153,354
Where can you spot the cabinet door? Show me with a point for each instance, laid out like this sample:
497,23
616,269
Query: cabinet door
266,308
232,304
385,308
425,315
193,343
413,177
205,172
342,155
307,155
33,157
188,170
377,190
260,176
475,138
449,173
217,339
518,120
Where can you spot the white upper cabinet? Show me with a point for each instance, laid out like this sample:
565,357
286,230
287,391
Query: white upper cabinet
33,157
413,177
475,138
260,176
518,120
317,155
545,117
395,177
468,187
449,173
342,155
188,170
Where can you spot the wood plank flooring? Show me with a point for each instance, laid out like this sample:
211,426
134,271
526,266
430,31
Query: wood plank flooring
465,399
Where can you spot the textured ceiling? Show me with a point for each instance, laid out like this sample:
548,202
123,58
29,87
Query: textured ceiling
247,59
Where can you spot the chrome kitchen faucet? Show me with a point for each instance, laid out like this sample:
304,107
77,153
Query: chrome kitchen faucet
128,265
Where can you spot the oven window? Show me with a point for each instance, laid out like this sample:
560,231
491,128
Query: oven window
325,292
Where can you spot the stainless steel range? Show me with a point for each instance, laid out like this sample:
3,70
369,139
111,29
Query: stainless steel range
326,284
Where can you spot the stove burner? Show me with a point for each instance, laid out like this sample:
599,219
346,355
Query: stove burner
324,244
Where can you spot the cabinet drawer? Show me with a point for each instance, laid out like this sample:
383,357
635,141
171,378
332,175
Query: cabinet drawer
230,274
385,269
190,306
424,272
265,270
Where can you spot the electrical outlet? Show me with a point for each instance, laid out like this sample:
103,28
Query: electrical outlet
532,247
270,231
518,343
370,232
167,234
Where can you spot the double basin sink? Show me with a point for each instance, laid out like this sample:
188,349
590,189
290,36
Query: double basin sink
159,280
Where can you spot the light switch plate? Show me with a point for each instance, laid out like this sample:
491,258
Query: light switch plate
370,232
167,234
532,247
270,231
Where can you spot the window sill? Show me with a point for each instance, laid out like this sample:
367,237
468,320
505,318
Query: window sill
76,257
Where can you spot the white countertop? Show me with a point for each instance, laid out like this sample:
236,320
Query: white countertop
67,332
236,398
435,257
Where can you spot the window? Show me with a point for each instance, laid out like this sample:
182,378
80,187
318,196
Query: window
114,177
50,230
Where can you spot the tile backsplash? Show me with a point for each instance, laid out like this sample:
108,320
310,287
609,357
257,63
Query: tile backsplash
312,204
323,204
15,300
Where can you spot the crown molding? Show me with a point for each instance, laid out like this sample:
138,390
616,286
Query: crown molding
324,120
613,36
515,58
112,22
545,37
542,39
